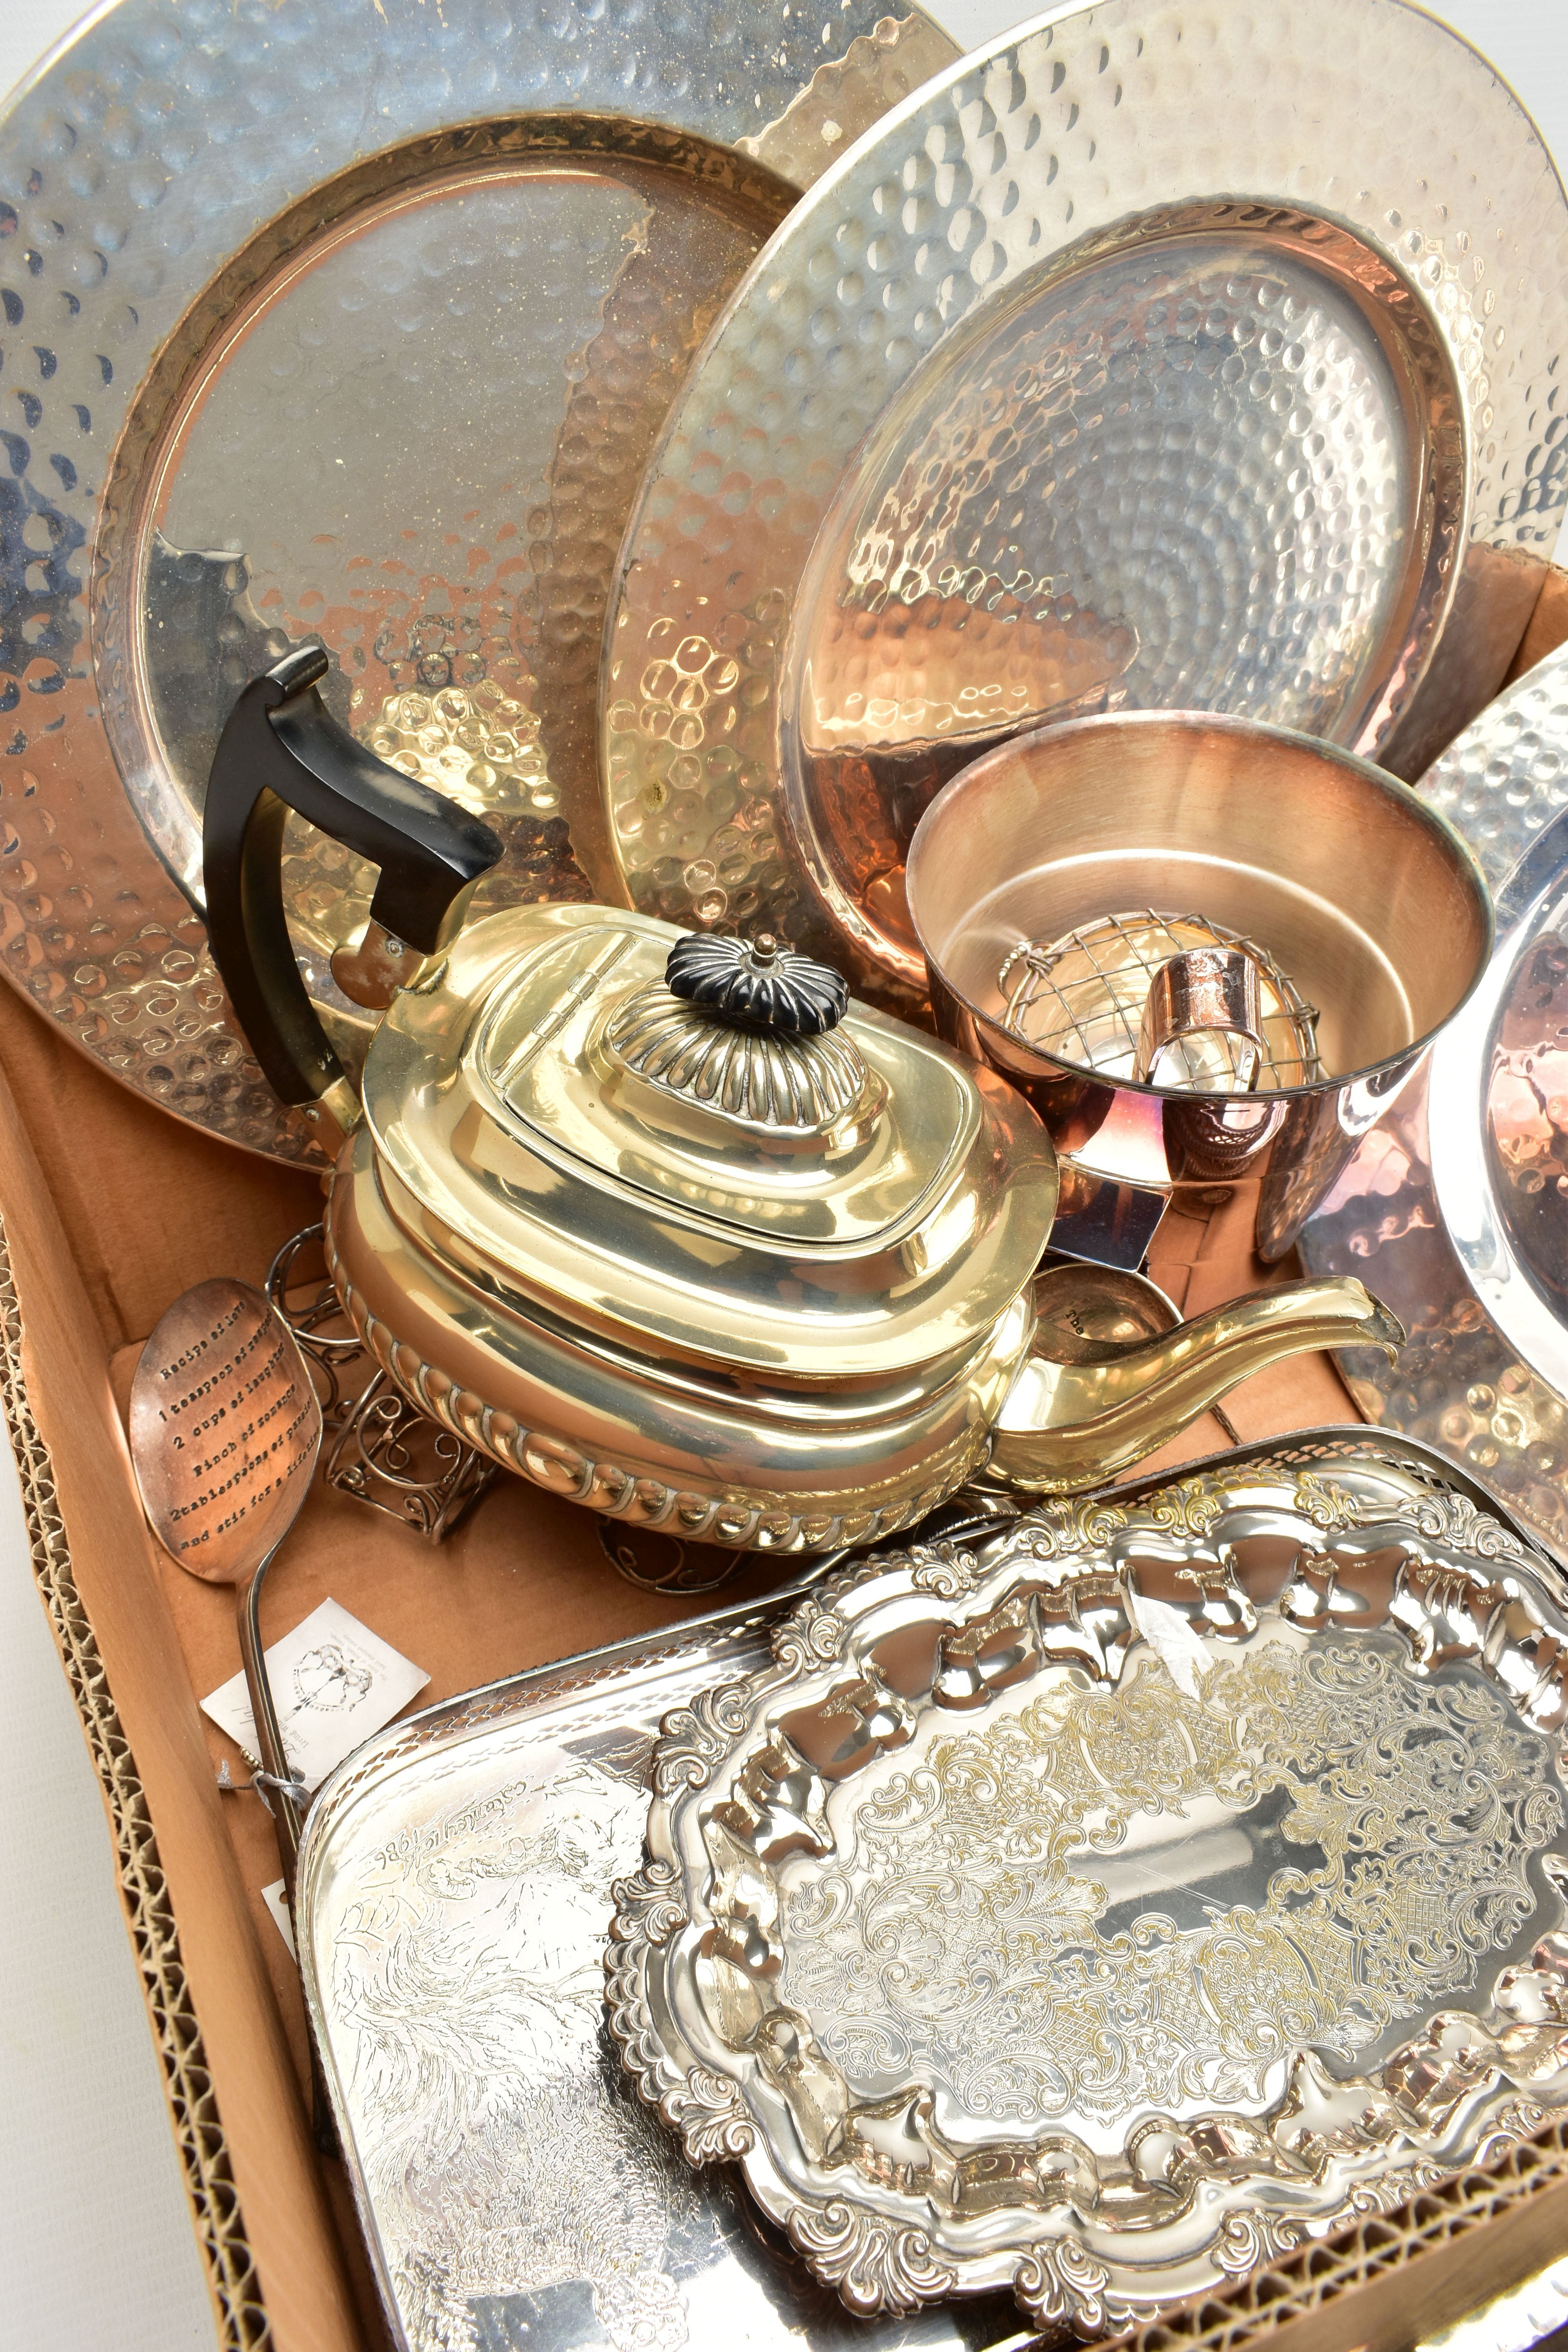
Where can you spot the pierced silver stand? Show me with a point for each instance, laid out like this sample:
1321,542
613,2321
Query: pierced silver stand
400,1461
382,1449
656,1562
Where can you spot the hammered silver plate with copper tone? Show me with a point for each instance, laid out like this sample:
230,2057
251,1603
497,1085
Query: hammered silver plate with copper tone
1454,1208
1505,779
1107,1910
353,322
1195,353
1499,1116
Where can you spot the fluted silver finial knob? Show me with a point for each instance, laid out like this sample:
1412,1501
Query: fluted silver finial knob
759,983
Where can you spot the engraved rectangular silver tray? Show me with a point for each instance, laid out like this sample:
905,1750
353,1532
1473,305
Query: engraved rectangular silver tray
455,1891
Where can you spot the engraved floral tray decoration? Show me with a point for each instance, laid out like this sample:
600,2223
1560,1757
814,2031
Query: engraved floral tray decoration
1107,1914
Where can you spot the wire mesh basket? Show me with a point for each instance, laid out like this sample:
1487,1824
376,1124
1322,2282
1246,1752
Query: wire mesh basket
1080,1002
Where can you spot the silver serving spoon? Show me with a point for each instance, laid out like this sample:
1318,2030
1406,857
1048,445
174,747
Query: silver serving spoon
226,1426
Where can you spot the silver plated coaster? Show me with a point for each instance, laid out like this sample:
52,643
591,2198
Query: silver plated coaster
1111,1909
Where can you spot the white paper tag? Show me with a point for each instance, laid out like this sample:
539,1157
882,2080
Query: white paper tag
273,1897
333,1682
1170,1635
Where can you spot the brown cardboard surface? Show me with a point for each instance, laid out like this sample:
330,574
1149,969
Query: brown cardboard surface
149,1205
1548,625
67,1372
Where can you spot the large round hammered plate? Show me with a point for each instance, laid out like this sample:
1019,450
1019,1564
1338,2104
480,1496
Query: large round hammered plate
356,322
1498,1116
1180,352
1109,1911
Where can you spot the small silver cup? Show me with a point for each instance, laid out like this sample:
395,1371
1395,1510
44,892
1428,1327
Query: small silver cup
1202,1024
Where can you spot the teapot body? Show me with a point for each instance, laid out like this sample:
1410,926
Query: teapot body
763,1292
657,1440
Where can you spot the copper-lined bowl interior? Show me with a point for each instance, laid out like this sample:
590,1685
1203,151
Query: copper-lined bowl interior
1371,904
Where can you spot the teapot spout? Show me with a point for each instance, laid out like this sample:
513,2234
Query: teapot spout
1066,1426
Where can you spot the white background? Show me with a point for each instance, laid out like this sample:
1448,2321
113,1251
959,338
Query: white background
96,2249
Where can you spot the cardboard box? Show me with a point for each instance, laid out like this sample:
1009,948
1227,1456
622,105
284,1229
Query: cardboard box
108,1210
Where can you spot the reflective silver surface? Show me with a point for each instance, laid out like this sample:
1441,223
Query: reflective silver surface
1506,777
354,321
455,1891
454,1898
1457,1383
1454,1209
1106,1908
1015,352
1499,1116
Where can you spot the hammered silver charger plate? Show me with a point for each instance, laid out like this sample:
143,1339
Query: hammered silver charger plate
1176,352
355,322
1454,1208
1117,1906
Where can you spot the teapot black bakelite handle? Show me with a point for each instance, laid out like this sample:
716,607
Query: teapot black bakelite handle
281,749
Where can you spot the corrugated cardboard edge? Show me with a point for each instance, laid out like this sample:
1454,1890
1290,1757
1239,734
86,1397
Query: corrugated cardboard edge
1446,2254
198,2129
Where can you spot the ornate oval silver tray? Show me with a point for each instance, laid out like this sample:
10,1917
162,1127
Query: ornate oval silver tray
1455,1206
353,322
1150,355
1110,1911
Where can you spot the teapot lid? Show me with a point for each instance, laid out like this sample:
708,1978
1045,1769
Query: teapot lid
703,1142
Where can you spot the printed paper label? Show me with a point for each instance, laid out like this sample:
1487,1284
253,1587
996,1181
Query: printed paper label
334,1682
